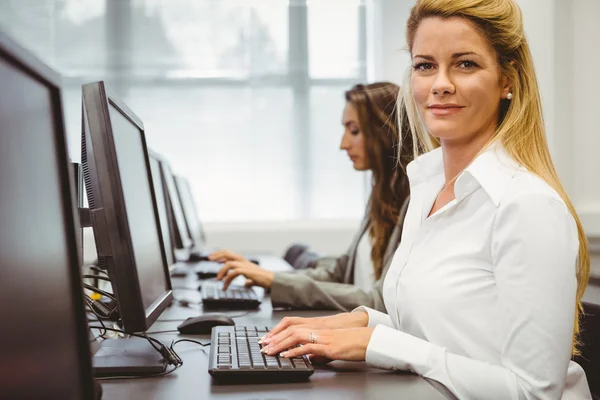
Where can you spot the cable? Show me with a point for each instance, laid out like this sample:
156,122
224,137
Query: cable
102,278
98,270
191,341
102,292
131,334
156,332
98,318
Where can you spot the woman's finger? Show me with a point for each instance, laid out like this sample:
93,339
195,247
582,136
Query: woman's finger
319,350
234,273
285,323
224,271
249,283
299,336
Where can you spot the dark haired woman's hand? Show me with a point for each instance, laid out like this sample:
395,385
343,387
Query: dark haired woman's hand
255,275
223,256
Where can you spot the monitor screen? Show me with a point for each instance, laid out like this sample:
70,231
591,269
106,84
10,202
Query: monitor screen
190,211
123,208
144,232
162,203
44,347
182,236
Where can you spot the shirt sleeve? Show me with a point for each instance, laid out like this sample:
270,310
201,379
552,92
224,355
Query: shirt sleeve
375,317
534,254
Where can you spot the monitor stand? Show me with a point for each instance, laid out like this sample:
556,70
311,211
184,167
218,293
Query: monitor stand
127,357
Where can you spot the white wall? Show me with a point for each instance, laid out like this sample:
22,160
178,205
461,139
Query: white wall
325,237
564,37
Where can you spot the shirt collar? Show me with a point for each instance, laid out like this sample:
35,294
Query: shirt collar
492,170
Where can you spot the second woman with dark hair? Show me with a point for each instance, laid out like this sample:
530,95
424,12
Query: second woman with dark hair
370,138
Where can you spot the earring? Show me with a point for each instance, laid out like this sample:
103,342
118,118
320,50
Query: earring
509,96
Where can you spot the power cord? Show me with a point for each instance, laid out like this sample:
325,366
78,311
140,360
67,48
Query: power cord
97,290
193,341
168,353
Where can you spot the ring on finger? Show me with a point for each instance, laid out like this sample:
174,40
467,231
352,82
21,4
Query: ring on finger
313,338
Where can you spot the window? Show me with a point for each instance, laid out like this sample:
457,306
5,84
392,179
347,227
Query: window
244,97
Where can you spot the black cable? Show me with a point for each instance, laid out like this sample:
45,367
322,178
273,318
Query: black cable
98,318
130,334
191,341
98,270
102,292
102,278
156,332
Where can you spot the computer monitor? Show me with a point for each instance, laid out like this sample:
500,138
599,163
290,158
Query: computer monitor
44,346
181,236
192,219
123,208
78,188
163,203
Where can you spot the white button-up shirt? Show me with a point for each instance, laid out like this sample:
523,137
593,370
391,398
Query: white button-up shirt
481,295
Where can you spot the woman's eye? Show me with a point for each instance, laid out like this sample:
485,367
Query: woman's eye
423,66
466,64
354,133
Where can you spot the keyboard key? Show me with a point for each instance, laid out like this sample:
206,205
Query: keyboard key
224,349
299,363
285,363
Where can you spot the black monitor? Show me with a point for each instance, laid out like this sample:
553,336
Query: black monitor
192,219
123,208
44,346
181,236
163,203
78,187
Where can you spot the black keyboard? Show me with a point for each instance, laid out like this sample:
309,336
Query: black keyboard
203,269
235,357
234,298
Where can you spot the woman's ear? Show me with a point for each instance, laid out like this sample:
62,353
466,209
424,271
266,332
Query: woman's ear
506,84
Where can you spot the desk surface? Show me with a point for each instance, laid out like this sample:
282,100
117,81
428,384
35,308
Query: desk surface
338,380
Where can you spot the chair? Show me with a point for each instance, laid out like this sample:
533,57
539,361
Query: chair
590,350
293,252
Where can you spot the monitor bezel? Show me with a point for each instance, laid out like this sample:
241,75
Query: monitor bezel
108,211
171,218
23,60
183,241
184,189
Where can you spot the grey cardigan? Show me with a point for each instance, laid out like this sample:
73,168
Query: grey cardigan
330,284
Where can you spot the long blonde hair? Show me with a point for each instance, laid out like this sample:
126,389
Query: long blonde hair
520,126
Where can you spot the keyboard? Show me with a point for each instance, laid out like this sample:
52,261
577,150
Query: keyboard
235,357
234,298
203,269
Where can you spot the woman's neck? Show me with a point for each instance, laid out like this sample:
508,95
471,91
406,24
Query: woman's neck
458,154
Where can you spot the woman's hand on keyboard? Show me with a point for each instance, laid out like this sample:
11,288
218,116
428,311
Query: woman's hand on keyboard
338,321
255,275
224,256
329,344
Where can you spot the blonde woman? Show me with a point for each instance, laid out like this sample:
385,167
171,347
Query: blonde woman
483,294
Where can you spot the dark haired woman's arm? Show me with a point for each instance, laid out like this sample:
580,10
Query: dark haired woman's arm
299,291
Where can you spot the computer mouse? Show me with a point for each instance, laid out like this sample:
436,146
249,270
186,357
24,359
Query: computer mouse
203,324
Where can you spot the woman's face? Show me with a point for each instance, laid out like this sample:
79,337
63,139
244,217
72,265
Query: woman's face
353,140
456,80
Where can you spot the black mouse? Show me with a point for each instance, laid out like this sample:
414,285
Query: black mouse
203,324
